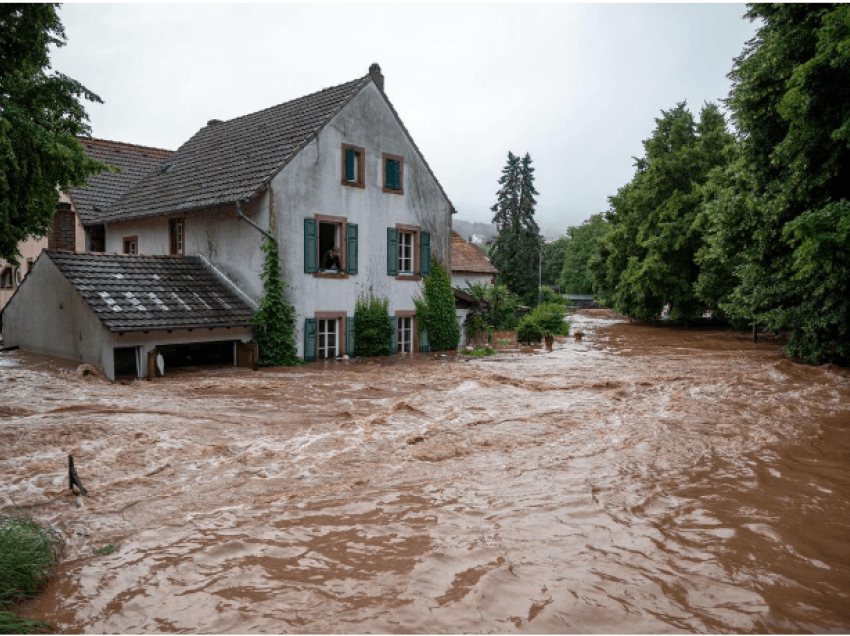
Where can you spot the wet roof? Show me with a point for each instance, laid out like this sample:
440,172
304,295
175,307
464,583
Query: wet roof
232,160
152,293
466,257
106,188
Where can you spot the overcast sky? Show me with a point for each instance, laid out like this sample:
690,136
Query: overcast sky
576,85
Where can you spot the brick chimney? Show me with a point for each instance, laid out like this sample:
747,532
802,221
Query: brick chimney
377,76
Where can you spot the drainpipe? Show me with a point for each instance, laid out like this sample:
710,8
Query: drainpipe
252,224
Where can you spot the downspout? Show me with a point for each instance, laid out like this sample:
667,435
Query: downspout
252,224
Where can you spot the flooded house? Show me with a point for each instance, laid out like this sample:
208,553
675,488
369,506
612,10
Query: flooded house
333,177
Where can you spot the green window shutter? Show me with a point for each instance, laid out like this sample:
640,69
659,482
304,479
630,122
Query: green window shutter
311,246
394,345
349,336
392,251
424,345
310,339
350,164
424,253
351,248
392,171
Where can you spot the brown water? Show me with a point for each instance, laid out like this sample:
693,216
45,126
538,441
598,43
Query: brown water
640,480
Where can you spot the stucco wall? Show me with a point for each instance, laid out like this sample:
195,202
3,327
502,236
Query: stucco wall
463,280
227,241
47,315
310,185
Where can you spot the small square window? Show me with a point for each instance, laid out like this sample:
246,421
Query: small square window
131,245
353,166
393,174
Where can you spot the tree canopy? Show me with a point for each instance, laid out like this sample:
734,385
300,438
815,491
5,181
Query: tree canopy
40,119
516,250
580,245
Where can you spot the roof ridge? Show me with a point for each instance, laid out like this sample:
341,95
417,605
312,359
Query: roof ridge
122,143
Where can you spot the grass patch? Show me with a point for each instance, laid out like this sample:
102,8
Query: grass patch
479,351
107,549
27,551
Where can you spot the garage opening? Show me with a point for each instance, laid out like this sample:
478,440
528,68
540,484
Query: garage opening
197,354
126,362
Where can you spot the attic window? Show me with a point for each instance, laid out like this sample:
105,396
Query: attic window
176,236
353,166
131,244
167,167
393,173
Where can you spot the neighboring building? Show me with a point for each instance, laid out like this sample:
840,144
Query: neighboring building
76,224
470,264
334,177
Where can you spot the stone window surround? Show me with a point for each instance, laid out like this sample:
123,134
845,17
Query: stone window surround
340,317
400,159
415,230
361,166
342,221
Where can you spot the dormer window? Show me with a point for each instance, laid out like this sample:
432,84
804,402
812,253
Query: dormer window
393,173
353,166
176,236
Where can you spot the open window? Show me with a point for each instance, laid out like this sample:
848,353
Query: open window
131,244
176,236
330,246
6,279
353,166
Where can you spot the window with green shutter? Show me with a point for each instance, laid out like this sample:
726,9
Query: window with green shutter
351,248
392,251
311,246
393,173
353,166
424,253
310,339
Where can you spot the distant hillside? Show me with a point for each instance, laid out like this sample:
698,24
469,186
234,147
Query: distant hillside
467,228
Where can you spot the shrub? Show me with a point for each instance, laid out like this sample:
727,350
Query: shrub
529,331
373,329
274,322
550,318
26,553
479,352
436,310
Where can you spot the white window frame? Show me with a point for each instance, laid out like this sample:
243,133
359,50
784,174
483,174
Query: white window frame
406,252
324,333
405,334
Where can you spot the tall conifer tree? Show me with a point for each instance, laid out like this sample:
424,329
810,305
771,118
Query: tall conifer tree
516,251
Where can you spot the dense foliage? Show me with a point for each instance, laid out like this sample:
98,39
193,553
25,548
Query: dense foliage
579,246
40,118
373,328
501,305
528,331
778,244
550,317
553,261
516,250
435,311
274,322
649,251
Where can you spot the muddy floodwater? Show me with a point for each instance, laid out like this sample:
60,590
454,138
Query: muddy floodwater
639,479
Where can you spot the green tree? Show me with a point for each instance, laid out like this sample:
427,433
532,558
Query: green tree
274,322
553,260
580,245
40,118
654,236
516,250
778,216
435,311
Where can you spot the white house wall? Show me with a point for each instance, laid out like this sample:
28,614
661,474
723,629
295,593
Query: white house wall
225,240
310,185
462,280
47,315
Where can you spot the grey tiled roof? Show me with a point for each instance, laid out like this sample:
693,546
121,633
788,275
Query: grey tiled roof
232,160
151,293
106,188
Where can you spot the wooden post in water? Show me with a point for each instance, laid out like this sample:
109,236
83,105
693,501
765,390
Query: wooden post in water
73,478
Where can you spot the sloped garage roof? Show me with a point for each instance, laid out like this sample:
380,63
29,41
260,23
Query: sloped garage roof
152,293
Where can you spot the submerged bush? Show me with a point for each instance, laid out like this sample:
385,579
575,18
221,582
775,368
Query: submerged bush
26,553
550,318
528,331
373,328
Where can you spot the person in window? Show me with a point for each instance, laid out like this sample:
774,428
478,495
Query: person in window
331,259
